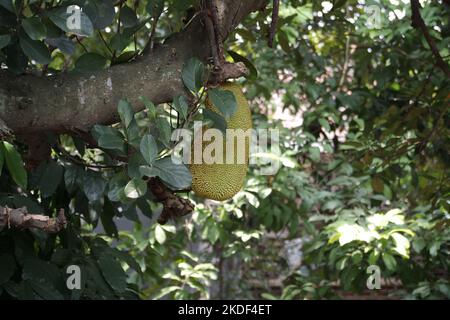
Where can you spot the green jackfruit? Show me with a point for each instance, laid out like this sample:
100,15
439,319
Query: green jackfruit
222,181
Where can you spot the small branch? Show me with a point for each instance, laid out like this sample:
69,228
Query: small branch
106,43
173,205
217,34
21,219
417,22
273,25
151,41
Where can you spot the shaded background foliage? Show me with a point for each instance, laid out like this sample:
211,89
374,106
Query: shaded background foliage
363,117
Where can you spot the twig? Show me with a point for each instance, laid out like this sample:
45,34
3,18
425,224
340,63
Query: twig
212,42
228,71
273,25
81,44
345,67
106,44
151,41
417,22
173,205
21,219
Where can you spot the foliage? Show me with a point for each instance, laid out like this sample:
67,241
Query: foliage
364,152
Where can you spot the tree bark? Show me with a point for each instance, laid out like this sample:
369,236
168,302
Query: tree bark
75,102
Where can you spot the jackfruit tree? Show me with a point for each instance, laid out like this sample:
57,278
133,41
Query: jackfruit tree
91,93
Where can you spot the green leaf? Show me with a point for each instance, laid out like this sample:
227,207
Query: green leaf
128,32
418,244
160,234
124,57
155,8
176,176
4,40
106,217
324,124
150,107
128,259
116,186
373,257
134,163
99,130
45,290
165,291
35,29
114,275
434,248
8,5
15,165
193,74
218,121
62,43
93,186
135,188
145,207
112,142
126,112
128,17
50,179
119,42
66,18
149,149
224,100
134,134
35,50
42,276
180,104
90,62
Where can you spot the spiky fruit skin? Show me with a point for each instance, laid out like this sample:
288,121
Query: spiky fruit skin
222,181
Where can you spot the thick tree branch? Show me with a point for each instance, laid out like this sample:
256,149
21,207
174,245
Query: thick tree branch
75,102
21,219
417,22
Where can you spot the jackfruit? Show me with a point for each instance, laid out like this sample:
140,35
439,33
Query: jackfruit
221,181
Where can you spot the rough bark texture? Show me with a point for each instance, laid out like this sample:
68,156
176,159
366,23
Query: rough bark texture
75,102
21,219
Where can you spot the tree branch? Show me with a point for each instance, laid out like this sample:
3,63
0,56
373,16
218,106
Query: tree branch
75,102
417,22
273,24
21,219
